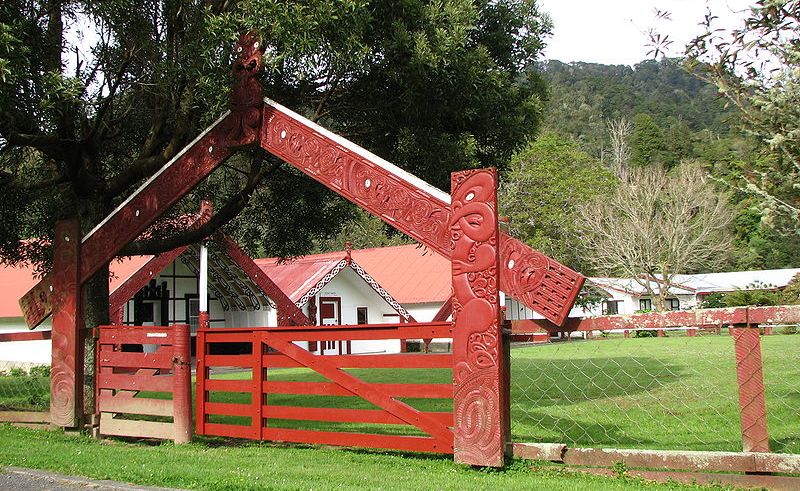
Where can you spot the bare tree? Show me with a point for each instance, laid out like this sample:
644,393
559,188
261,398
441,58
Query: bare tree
658,225
619,131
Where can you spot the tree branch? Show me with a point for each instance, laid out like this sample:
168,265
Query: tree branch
225,214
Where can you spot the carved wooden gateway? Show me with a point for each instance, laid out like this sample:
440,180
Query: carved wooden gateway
462,226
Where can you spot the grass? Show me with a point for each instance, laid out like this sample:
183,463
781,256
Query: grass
205,465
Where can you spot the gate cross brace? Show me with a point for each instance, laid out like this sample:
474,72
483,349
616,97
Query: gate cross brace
360,388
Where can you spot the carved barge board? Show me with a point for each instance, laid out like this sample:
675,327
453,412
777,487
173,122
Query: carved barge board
176,178
478,400
411,205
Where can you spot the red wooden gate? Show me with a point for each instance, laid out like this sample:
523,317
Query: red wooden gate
274,347
122,376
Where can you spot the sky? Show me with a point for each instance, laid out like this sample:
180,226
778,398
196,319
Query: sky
614,32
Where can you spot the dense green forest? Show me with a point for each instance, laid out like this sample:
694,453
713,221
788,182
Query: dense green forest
671,117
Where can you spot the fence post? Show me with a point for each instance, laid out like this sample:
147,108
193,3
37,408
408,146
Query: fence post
66,379
752,405
182,384
478,401
200,374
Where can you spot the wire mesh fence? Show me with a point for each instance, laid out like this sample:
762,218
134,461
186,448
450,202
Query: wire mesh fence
24,386
675,392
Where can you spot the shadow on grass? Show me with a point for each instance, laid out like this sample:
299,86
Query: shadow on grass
538,383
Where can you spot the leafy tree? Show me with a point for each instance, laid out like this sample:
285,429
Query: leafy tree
658,225
546,184
755,68
791,294
647,141
96,96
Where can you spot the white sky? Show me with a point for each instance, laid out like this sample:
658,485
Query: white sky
614,32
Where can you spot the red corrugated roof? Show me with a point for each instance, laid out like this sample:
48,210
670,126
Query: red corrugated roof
16,281
410,273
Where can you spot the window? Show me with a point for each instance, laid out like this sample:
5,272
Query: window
361,316
193,312
611,307
645,304
673,304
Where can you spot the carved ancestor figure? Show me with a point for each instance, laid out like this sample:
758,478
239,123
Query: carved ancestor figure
476,312
247,97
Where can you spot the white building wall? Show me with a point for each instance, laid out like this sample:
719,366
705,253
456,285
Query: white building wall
423,312
23,354
354,292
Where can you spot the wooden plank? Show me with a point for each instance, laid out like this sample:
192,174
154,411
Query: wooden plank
138,335
750,377
402,360
134,405
142,429
421,391
25,336
340,415
232,431
139,381
322,365
220,385
118,359
238,361
229,409
343,439
24,417
228,336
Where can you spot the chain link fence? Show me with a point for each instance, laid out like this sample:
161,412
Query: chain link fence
675,392
24,386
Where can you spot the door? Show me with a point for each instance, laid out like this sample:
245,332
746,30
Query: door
330,314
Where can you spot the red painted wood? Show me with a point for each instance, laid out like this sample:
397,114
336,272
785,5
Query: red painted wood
233,431
752,404
372,416
137,335
257,381
182,384
229,409
66,379
539,282
404,443
288,312
357,332
25,336
420,391
216,385
445,311
403,360
239,361
323,366
680,318
201,392
138,381
480,418
118,359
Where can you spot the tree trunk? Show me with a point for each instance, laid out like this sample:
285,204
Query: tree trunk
95,304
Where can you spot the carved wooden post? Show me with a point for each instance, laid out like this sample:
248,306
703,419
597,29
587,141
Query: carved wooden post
66,379
752,406
182,388
480,418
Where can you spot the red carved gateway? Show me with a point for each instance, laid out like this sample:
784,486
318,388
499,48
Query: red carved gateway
463,228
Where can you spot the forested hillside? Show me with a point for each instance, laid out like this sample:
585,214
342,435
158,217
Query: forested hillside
668,116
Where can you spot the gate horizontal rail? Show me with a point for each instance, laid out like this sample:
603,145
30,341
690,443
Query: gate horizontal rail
274,347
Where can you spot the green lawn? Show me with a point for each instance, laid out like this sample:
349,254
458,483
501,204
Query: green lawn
208,466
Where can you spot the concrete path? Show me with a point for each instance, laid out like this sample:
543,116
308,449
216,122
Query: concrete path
19,479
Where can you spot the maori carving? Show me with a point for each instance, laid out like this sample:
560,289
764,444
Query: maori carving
321,283
477,370
246,95
411,206
66,382
350,174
